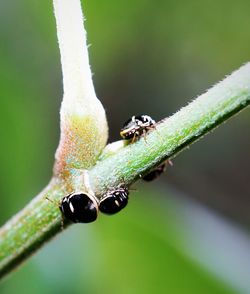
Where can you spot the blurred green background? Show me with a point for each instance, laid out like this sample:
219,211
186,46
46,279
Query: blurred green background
187,232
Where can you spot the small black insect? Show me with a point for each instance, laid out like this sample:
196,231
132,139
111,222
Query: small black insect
114,200
155,173
79,207
136,126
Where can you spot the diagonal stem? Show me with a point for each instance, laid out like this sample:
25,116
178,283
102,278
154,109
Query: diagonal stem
40,220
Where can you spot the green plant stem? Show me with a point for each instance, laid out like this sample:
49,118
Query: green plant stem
84,129
175,133
41,219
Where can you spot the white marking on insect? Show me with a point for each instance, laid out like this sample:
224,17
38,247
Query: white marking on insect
71,207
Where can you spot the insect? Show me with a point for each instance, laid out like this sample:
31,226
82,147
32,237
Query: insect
136,126
114,200
79,207
155,173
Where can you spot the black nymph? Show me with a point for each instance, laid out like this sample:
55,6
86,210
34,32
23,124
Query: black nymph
155,173
114,200
79,207
136,126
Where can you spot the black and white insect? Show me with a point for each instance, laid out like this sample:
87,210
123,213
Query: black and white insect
79,207
82,206
114,200
136,126
155,173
